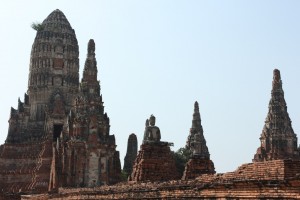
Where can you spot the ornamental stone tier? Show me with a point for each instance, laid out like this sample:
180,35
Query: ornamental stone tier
199,162
59,135
278,140
154,161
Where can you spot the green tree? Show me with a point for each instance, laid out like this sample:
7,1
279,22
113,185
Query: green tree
37,26
181,157
124,176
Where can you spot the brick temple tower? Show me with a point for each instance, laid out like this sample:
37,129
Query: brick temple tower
199,162
53,81
59,135
197,129
278,140
132,147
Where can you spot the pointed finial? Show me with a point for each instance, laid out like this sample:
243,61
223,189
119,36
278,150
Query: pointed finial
91,47
196,106
276,75
277,84
196,123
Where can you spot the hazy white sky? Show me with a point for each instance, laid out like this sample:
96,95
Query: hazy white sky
159,56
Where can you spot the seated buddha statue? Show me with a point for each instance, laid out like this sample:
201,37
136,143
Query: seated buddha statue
152,132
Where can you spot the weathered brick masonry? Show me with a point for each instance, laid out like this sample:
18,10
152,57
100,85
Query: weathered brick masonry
59,145
60,135
278,179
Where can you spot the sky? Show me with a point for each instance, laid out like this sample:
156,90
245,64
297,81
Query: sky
160,56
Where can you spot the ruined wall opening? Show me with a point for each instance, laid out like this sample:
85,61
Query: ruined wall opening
57,129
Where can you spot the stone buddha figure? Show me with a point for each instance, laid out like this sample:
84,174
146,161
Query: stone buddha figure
152,132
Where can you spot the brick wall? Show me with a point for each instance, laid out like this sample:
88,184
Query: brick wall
278,179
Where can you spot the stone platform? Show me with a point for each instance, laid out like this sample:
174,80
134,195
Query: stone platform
154,162
197,166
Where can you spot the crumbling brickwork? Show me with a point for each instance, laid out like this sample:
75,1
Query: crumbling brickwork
25,167
276,179
197,166
278,140
59,144
199,162
59,136
154,162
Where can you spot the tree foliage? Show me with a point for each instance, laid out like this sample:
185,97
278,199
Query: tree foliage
37,26
181,157
124,176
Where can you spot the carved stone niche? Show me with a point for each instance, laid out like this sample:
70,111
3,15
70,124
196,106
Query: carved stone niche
59,47
57,80
58,105
58,63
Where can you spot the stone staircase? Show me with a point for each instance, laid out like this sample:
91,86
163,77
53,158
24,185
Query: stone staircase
25,167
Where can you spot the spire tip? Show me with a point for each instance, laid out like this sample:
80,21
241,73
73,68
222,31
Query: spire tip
91,46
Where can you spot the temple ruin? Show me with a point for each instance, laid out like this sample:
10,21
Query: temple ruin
154,161
59,135
199,162
278,140
59,144
132,147
274,173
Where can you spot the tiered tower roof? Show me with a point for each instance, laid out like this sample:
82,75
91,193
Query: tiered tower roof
278,140
89,83
196,135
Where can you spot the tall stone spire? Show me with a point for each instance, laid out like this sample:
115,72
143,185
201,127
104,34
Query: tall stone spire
278,140
196,133
199,162
89,83
131,153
